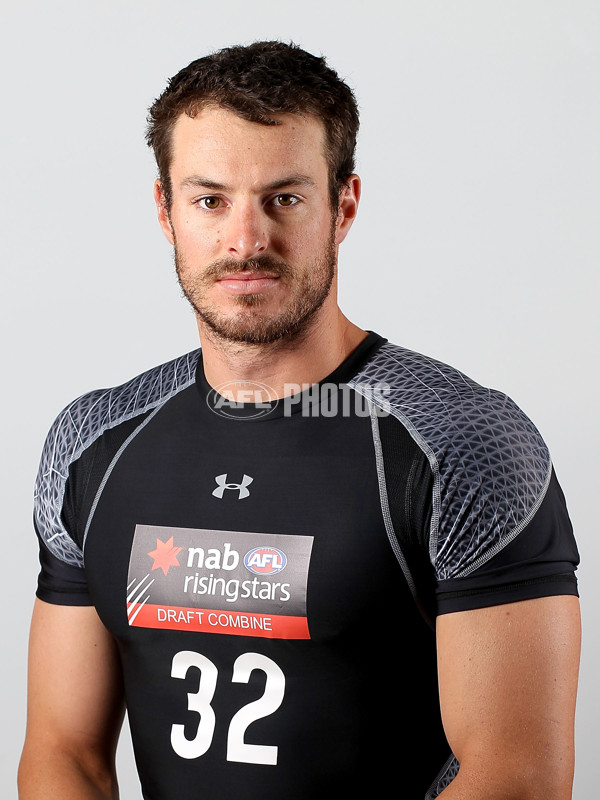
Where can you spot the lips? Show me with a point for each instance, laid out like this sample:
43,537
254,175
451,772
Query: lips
247,276
247,282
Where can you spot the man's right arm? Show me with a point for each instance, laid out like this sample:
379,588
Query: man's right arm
75,707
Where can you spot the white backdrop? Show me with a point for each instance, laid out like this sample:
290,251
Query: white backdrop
477,240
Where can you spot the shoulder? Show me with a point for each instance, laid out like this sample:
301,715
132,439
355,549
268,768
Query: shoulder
440,403
88,416
82,422
491,466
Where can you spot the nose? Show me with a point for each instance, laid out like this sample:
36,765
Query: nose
247,232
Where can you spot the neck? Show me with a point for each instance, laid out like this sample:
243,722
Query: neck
282,365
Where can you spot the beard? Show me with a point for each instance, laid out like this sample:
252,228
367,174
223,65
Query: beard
250,324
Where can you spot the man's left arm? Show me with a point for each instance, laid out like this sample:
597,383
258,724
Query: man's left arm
508,679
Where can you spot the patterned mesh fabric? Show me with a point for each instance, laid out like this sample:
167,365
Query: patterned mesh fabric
80,424
490,464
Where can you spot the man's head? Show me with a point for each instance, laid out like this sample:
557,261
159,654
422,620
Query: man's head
259,82
255,147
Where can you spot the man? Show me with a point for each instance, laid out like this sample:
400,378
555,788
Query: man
259,546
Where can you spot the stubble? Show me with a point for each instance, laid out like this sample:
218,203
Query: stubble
251,323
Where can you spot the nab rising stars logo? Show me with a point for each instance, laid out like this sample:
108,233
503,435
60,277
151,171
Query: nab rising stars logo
265,560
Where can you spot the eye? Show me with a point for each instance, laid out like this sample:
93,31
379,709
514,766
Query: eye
285,200
210,203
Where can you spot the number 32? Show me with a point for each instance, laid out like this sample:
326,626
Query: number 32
200,702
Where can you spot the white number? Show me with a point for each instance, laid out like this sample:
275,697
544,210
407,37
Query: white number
200,702
237,749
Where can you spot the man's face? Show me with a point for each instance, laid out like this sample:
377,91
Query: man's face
254,234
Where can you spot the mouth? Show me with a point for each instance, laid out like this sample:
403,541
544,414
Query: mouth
247,282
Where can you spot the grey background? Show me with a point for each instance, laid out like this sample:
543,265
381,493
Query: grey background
477,240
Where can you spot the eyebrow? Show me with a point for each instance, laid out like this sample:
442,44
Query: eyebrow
201,182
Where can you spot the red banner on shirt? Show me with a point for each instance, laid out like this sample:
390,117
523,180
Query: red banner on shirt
209,620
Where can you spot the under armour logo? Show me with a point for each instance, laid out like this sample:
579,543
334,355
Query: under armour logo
241,487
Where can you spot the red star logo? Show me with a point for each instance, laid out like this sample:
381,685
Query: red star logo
165,555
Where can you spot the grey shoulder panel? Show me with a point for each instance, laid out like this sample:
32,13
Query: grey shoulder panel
80,424
444,779
490,465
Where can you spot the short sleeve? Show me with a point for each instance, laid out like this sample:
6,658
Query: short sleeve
539,562
62,575
61,583
496,517
69,472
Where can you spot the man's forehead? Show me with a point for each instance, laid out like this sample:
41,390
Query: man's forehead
218,136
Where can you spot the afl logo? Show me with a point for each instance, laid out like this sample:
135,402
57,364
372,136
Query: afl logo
265,560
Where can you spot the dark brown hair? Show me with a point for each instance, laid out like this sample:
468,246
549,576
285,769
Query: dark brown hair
257,82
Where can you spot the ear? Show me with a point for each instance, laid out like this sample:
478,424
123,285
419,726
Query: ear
163,213
348,207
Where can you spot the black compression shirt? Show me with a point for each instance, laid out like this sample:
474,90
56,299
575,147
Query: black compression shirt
270,572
